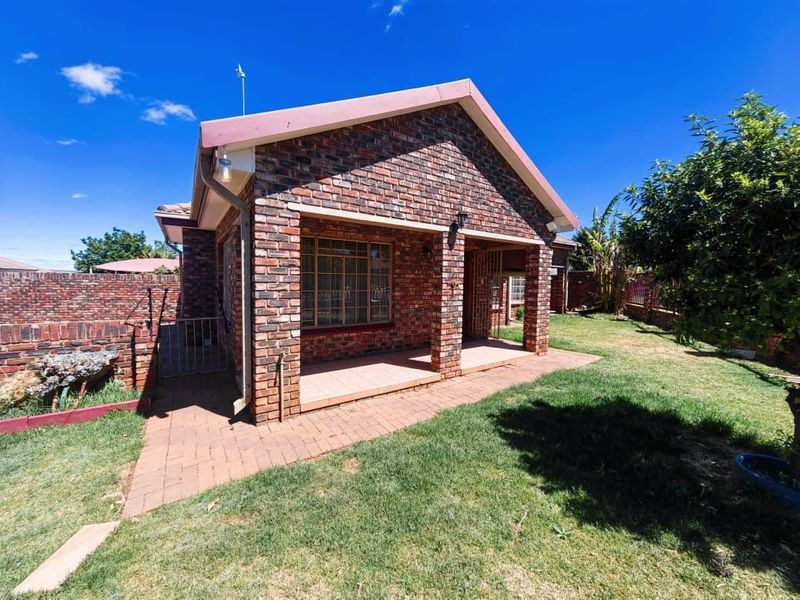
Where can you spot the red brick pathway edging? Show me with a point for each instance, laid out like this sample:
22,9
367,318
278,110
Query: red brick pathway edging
70,417
191,446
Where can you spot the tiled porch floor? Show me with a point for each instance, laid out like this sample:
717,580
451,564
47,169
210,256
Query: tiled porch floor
191,443
339,381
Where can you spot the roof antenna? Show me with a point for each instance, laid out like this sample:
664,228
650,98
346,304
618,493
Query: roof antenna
240,74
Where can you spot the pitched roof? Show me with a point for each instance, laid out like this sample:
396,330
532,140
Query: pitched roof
7,264
236,133
139,265
181,209
562,241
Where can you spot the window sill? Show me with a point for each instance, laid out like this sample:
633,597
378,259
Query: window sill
319,331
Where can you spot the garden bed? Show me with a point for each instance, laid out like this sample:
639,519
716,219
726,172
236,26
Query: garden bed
72,416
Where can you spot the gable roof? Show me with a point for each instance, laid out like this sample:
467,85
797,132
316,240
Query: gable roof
237,133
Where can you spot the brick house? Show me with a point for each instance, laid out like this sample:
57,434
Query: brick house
359,228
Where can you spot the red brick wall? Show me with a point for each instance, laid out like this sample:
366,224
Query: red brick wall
48,313
412,296
421,167
40,297
199,273
229,275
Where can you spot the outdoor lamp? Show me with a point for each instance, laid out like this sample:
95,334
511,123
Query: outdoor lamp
461,218
552,227
225,169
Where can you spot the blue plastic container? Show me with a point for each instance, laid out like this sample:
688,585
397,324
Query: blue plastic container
747,462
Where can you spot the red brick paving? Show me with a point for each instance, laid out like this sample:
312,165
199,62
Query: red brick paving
191,444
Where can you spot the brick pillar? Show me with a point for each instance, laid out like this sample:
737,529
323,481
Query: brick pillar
538,260
198,294
276,310
448,292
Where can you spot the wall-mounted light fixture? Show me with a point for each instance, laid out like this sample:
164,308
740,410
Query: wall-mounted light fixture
552,227
461,218
224,169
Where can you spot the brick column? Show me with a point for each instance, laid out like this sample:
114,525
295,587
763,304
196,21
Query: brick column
538,260
448,292
276,310
197,273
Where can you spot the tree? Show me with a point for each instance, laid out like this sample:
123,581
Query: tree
602,252
720,231
119,244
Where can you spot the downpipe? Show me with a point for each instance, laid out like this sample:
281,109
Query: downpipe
246,231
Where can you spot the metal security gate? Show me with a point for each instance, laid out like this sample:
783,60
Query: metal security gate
484,292
188,346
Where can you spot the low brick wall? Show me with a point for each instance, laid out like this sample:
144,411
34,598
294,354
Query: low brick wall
50,313
653,316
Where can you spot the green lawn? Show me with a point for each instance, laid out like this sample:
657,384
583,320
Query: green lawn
54,480
613,480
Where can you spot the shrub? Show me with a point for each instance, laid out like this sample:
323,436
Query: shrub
519,312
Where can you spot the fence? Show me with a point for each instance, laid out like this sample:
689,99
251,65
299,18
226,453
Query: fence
643,302
49,313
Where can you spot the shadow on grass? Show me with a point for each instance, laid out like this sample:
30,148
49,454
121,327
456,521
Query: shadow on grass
621,465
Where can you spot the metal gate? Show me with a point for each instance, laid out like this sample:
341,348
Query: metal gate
188,346
484,293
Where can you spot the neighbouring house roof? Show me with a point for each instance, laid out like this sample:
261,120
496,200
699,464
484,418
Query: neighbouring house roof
236,134
7,264
139,265
172,218
564,242
181,209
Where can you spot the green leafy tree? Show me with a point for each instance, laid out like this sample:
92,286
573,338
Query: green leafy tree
721,231
602,252
118,244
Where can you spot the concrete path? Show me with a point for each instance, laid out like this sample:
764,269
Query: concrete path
191,444
52,572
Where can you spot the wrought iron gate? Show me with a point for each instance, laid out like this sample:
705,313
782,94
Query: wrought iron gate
188,346
485,288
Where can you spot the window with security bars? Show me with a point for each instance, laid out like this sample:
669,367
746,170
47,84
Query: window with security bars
517,289
344,282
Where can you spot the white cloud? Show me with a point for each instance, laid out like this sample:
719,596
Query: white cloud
67,142
397,9
93,80
162,110
79,196
26,57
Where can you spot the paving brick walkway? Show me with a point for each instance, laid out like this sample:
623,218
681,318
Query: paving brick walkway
191,443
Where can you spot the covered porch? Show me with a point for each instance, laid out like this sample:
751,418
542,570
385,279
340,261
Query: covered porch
345,380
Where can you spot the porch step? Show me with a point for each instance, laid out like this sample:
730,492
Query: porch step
368,393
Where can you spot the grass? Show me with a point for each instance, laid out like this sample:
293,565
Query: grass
613,480
110,393
54,480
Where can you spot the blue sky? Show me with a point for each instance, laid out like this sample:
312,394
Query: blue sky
101,101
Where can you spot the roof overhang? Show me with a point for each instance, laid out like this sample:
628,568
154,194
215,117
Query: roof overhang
172,225
237,137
